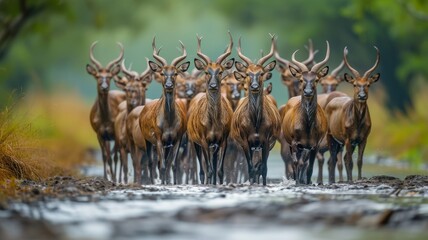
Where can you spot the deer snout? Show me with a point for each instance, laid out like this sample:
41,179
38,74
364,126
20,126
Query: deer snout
308,92
236,94
189,93
213,86
362,96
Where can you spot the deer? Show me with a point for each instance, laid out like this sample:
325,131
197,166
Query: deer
106,107
349,122
329,85
304,124
256,121
210,115
293,86
134,85
163,121
187,87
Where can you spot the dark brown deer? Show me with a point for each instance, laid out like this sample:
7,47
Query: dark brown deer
134,85
256,122
304,123
349,119
210,115
106,107
163,121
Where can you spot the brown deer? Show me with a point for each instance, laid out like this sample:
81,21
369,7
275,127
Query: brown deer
134,85
304,123
209,116
187,87
349,119
231,89
329,85
106,107
293,86
256,122
163,121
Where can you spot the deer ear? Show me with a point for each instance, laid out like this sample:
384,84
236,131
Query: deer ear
154,66
229,63
240,66
121,82
268,76
238,76
199,64
374,78
270,66
348,78
296,73
147,79
323,72
184,66
91,70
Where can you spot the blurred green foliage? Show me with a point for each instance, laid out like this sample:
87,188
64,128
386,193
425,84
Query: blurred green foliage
51,46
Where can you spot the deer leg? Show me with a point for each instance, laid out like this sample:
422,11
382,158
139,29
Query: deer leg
265,155
348,159
198,151
124,161
161,159
115,160
361,148
333,147
340,164
103,155
109,161
321,159
168,159
312,154
176,161
222,156
213,160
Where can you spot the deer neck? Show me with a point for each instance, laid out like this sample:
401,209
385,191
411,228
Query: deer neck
169,106
104,106
309,108
256,107
214,105
360,109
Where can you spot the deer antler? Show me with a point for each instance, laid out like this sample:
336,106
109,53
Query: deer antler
242,56
127,71
367,74
355,72
270,54
156,52
327,56
311,53
228,50
200,54
91,56
117,60
337,70
283,61
300,65
148,70
180,58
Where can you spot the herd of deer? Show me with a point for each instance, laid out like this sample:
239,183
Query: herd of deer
202,116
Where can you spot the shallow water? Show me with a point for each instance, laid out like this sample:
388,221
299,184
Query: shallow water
378,209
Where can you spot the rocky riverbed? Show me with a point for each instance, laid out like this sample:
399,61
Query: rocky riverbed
93,208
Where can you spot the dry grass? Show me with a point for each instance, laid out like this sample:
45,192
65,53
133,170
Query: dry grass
44,136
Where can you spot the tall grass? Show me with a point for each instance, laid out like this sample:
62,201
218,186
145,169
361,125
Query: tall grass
43,136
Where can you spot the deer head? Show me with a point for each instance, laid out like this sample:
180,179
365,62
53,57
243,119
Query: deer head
214,70
329,83
361,84
168,73
189,85
134,85
255,74
101,74
309,77
232,87
292,83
